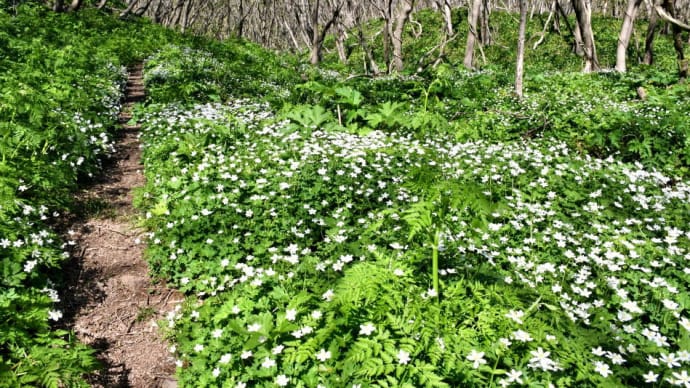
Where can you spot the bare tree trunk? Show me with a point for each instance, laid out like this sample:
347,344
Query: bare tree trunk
579,44
74,6
557,20
315,56
401,18
574,31
193,14
176,14
157,14
129,9
444,6
682,61
485,31
472,35
370,65
239,31
417,33
58,5
552,11
677,29
583,13
101,4
186,11
649,39
447,35
626,32
387,32
519,68
318,36
291,34
142,10
340,37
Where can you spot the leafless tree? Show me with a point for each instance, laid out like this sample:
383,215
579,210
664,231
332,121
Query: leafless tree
473,18
583,14
303,25
402,15
519,67
626,33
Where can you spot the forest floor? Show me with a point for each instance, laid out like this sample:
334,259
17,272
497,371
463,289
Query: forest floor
109,301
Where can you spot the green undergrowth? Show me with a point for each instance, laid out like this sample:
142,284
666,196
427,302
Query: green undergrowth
220,70
62,80
554,53
419,230
600,113
332,229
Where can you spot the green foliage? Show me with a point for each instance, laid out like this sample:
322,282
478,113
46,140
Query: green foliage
204,71
306,237
425,230
61,84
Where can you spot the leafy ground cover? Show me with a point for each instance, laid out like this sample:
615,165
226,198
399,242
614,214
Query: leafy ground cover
54,129
407,230
61,84
600,113
351,239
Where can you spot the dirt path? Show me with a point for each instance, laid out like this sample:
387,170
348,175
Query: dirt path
111,303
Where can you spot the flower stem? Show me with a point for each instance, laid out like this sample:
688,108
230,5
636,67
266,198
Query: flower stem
434,265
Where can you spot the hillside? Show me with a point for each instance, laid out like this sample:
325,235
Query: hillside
330,228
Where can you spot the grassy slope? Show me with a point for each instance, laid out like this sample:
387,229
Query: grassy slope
45,55
322,129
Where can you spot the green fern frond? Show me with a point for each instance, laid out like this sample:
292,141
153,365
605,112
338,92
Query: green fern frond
419,218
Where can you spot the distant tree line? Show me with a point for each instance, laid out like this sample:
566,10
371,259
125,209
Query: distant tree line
304,24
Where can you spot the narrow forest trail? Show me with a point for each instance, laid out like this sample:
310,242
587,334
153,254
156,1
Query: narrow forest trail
110,301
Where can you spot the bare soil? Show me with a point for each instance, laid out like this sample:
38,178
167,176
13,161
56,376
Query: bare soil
110,302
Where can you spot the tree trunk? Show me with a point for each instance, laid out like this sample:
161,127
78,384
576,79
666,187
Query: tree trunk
447,35
682,61
74,6
318,36
574,31
315,56
291,34
186,12
176,14
626,32
142,10
239,30
472,35
129,9
387,32
340,37
399,26
485,31
552,11
583,13
677,40
157,14
649,39
444,6
519,68
59,5
370,65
